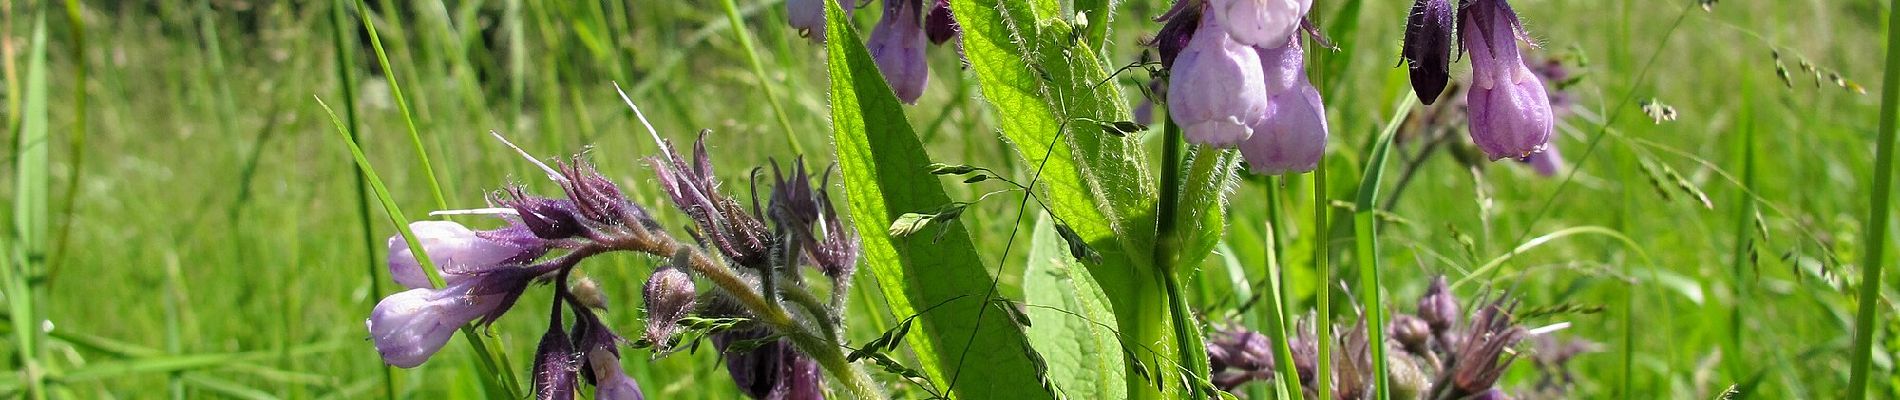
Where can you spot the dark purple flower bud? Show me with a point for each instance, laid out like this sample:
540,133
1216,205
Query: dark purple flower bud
1481,358
939,24
1262,23
412,325
1290,136
610,381
805,213
550,219
555,362
1240,349
773,370
598,199
1412,333
1183,21
897,44
723,223
1217,92
458,252
1438,308
1509,110
1427,51
669,296
808,17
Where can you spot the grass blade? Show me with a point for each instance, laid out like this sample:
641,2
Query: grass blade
758,72
31,181
1365,228
402,105
1877,218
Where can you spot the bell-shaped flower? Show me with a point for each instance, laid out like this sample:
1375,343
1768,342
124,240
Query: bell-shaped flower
611,382
1290,136
555,363
897,45
774,370
412,325
1507,104
939,24
1260,23
458,252
1216,93
1427,51
808,17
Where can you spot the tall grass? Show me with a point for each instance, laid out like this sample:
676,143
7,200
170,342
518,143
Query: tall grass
1877,217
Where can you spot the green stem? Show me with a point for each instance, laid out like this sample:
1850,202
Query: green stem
345,74
402,105
1287,378
1193,355
1864,324
1322,376
758,71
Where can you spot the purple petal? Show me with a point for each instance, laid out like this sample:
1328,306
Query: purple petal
1264,23
897,44
1217,90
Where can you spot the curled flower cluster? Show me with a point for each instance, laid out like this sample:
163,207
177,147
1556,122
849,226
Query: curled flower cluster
486,272
1237,78
1510,113
896,43
1431,355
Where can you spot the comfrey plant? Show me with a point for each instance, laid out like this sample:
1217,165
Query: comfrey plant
1510,113
775,333
1435,354
1237,78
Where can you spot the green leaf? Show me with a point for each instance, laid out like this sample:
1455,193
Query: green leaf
1051,91
1073,327
882,162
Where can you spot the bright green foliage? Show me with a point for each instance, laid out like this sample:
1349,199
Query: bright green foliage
883,164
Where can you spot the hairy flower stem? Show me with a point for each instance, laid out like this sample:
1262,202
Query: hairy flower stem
1192,352
1865,323
825,350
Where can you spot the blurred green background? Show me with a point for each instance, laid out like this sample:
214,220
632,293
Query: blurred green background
206,235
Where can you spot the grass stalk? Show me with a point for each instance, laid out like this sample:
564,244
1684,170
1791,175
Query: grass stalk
76,150
402,105
1322,269
1877,218
346,76
1187,339
1286,377
1365,229
31,181
758,71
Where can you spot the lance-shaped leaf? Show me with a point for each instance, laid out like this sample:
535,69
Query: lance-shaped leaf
882,162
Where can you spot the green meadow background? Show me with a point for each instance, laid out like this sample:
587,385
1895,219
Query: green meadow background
186,222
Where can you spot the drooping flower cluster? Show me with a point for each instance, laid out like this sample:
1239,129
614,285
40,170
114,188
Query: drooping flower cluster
896,43
1430,355
1237,78
1509,111
486,272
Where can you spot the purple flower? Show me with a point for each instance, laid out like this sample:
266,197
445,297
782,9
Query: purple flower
1438,307
547,218
897,44
1291,135
798,209
1508,107
458,252
1217,92
773,370
1481,358
1427,51
611,382
939,24
669,296
1260,23
808,17
1183,21
555,362
723,223
412,325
